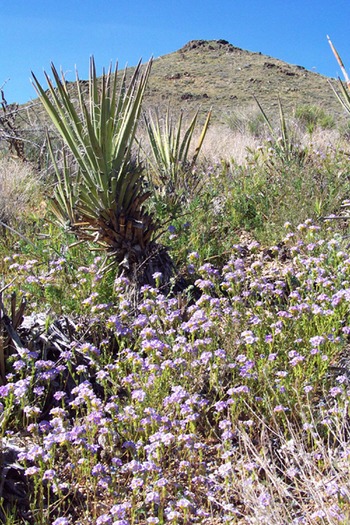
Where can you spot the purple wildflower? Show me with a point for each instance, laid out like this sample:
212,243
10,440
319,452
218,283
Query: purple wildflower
104,518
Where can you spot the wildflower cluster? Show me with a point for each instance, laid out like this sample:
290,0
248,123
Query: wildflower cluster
166,426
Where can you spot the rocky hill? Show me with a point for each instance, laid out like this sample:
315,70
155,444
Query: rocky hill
214,73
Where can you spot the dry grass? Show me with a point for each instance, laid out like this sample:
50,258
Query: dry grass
221,143
19,190
224,144
323,139
285,481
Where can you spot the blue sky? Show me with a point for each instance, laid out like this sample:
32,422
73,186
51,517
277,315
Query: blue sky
67,32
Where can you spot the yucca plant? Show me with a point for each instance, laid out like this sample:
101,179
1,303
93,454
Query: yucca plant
344,98
104,200
283,142
171,174
344,95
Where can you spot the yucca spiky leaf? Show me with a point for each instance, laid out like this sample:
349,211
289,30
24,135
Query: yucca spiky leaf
343,96
340,62
201,138
100,137
265,117
64,201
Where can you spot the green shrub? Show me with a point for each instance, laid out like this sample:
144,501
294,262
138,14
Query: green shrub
248,121
258,198
311,117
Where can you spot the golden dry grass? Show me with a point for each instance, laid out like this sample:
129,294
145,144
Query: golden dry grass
19,190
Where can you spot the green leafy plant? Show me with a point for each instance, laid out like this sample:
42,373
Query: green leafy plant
172,176
104,200
248,121
312,117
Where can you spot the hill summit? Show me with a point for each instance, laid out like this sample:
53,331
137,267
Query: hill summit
216,74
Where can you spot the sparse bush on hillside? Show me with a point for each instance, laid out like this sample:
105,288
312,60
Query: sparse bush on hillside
249,121
311,117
